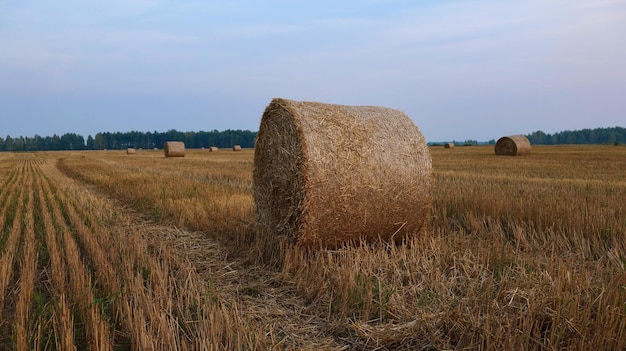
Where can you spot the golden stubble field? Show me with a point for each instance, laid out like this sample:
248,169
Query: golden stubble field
107,251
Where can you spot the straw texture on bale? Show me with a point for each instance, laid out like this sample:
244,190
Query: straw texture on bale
237,148
130,151
213,149
174,149
325,174
448,145
513,145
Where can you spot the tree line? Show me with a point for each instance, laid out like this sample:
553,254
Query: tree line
135,139
246,138
608,136
613,136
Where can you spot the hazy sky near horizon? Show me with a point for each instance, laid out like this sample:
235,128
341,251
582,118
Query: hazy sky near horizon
475,69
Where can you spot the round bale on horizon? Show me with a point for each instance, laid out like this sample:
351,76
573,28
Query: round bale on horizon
174,149
513,145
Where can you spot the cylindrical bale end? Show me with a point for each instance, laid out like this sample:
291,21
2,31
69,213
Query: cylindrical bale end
512,145
174,149
325,175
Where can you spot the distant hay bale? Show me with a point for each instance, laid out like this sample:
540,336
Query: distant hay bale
513,145
130,151
174,149
325,174
237,148
448,145
213,149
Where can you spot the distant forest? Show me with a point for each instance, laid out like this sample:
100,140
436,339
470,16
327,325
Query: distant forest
118,140
246,138
615,135
608,136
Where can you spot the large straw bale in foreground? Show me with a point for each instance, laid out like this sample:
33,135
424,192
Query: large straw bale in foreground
329,174
512,145
174,149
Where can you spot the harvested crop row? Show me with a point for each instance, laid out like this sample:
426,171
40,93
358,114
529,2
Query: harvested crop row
28,263
12,222
62,318
80,283
209,207
162,303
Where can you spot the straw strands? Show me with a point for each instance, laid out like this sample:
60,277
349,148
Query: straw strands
329,174
174,149
513,145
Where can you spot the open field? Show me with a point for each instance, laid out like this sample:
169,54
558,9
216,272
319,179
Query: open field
107,251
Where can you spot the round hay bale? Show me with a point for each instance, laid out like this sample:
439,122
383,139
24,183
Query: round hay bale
513,145
213,149
130,151
174,149
325,175
448,145
237,148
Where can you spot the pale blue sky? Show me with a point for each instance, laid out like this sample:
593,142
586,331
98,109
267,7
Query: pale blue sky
460,69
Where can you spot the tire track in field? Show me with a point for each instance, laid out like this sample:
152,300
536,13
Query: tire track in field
160,301
75,281
39,261
287,321
78,272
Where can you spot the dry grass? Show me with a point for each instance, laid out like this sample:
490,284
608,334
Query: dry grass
91,277
520,253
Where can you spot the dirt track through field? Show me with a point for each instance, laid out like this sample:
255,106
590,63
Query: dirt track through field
79,270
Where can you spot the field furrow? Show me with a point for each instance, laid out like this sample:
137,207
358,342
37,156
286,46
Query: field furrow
80,283
8,201
157,298
61,322
11,238
23,331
